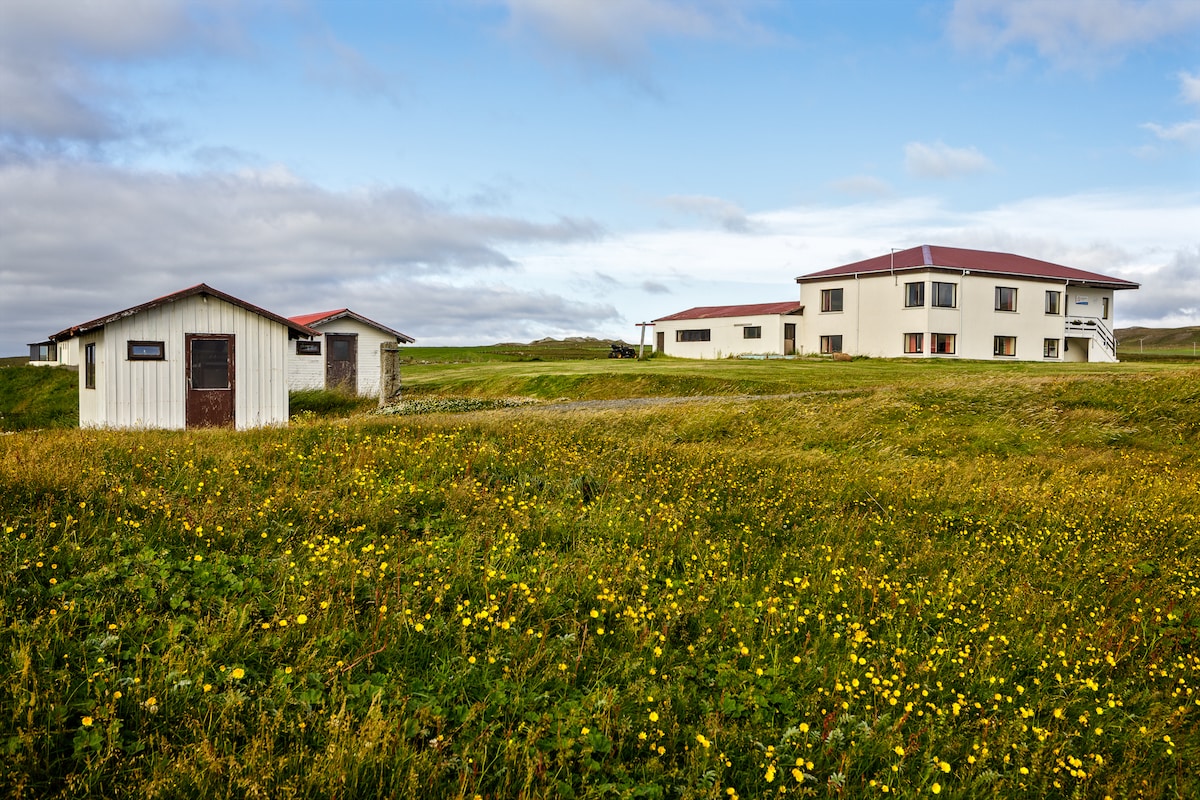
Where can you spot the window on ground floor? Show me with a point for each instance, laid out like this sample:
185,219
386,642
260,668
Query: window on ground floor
752,332
1004,345
1050,348
89,366
695,335
308,347
146,351
942,343
914,343
831,344
43,351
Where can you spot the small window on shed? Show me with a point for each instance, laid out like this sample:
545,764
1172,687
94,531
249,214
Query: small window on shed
146,351
43,351
306,347
698,335
752,332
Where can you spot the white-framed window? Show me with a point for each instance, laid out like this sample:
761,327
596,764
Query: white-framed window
914,294
1006,298
1050,348
1053,302
914,343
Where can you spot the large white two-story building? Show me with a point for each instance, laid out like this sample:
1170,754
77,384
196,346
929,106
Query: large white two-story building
923,302
937,302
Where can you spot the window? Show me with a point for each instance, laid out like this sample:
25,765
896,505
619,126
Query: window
1004,345
831,344
944,295
307,347
146,351
914,294
752,332
1053,302
914,342
89,366
1050,348
1104,307
1006,298
43,351
943,343
831,299
210,364
704,335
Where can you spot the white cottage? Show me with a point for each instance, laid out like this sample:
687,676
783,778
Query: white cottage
195,358
722,331
951,302
350,352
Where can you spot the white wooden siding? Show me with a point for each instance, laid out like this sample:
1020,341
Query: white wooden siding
308,372
153,394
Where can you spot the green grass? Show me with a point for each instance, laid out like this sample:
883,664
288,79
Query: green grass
38,397
973,580
545,350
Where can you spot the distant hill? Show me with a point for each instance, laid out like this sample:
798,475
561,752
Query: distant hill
1159,337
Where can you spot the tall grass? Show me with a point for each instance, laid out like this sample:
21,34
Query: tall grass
971,585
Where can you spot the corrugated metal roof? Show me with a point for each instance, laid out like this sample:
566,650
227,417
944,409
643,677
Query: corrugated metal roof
753,309
959,258
321,317
199,289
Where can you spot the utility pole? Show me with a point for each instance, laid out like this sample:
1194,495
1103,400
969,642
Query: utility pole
642,343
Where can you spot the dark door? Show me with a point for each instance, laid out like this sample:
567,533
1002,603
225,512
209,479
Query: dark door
660,340
789,338
341,362
209,380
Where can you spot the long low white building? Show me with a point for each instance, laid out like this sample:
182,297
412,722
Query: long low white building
722,331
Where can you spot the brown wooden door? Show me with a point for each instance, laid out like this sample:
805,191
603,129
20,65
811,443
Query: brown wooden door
660,340
789,338
210,362
341,362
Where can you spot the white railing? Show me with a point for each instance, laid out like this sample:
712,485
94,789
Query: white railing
1092,328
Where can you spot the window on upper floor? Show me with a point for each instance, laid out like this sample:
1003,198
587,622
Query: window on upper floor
831,344
914,343
1053,302
1006,298
914,294
696,335
831,299
1104,307
945,295
752,332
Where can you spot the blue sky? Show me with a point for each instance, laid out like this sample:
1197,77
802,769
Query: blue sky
476,171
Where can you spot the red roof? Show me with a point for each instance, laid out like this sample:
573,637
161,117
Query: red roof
958,258
321,317
753,309
299,329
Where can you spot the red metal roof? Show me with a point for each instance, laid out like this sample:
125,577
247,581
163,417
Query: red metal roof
753,309
321,317
958,258
199,289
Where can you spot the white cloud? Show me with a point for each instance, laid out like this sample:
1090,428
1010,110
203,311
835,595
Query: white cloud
940,160
1189,87
728,215
1186,133
124,236
617,35
862,186
1070,32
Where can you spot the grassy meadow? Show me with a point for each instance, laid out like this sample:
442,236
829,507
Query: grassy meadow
814,579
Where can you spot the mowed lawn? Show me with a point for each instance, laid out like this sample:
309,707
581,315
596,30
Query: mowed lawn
863,579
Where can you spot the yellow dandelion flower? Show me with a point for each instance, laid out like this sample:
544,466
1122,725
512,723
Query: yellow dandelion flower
87,721
238,673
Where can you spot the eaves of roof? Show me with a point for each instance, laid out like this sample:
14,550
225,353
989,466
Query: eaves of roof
323,317
749,310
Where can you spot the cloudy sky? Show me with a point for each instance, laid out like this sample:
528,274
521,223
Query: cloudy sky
476,171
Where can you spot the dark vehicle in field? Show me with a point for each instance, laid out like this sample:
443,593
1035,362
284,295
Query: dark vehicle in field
622,351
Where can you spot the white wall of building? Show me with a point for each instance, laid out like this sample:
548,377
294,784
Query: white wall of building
874,318
308,371
153,394
727,335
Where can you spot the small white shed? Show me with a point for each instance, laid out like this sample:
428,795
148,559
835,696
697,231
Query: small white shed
195,358
350,352
723,331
